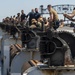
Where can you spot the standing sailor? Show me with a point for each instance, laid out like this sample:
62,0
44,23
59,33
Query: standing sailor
31,16
54,20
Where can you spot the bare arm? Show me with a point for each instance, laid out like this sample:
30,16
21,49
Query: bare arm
69,16
51,17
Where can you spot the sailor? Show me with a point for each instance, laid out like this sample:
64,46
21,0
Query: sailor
36,14
70,16
31,16
23,17
54,20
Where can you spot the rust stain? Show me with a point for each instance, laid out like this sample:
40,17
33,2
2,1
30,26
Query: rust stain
49,72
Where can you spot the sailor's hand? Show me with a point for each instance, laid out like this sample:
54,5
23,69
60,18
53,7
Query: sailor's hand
51,20
64,15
